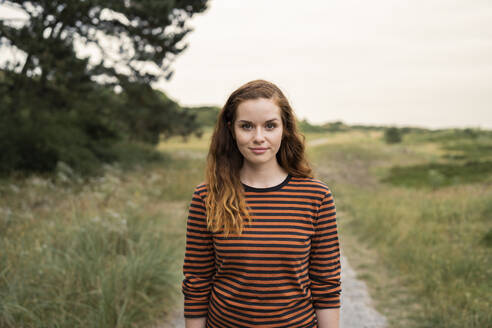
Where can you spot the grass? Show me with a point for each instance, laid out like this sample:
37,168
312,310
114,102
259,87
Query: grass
459,158
435,242
387,288
100,253
107,251
193,146
436,175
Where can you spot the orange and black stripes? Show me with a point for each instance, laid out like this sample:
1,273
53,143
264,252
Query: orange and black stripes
283,266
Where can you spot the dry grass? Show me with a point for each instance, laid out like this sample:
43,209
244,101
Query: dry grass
105,252
428,245
422,253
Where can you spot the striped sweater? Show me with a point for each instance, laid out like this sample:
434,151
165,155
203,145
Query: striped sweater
283,266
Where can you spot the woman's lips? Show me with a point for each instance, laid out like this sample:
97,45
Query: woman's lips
259,150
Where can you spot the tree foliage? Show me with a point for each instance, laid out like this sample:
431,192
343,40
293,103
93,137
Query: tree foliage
61,102
206,115
132,40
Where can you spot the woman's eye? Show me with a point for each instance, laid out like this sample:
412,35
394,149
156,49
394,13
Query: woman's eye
268,125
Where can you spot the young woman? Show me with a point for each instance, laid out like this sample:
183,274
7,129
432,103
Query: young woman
262,246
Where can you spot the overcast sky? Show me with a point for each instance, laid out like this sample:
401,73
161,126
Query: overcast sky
422,63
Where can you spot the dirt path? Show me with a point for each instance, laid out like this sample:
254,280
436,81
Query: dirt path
356,311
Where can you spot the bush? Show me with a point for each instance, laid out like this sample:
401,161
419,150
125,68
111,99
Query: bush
307,127
38,145
392,135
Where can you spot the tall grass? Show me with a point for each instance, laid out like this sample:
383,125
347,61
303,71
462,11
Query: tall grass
107,252
436,240
100,253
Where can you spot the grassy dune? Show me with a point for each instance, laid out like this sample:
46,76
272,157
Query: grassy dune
433,236
108,252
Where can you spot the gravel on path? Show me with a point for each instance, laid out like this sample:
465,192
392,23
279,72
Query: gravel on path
357,310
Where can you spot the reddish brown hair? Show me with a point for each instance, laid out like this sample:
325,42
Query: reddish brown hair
225,202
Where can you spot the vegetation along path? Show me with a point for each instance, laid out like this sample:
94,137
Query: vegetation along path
414,222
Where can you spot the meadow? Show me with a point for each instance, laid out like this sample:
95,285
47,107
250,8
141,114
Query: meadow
430,227
107,251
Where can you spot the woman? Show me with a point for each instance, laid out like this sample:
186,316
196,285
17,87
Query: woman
262,244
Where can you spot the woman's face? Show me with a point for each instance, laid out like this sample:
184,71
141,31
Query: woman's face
258,130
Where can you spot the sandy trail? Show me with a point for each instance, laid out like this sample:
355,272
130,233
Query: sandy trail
356,311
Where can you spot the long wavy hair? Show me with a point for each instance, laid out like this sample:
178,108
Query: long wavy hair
225,201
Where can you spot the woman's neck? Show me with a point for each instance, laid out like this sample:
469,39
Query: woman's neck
262,177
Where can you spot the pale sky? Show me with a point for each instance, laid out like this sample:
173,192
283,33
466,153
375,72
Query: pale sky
424,63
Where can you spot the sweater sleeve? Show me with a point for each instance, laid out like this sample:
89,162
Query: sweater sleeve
324,264
199,260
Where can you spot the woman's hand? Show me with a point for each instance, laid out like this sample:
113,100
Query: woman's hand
195,322
328,318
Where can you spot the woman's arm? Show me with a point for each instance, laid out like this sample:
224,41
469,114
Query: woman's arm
328,318
324,264
199,262
325,268
195,322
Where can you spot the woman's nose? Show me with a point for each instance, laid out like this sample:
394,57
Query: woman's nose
259,135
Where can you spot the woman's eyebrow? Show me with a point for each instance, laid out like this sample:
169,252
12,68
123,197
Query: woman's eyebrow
273,119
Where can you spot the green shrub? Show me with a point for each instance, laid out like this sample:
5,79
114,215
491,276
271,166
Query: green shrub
306,127
392,135
437,175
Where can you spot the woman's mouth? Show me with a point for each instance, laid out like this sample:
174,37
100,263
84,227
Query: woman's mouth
259,150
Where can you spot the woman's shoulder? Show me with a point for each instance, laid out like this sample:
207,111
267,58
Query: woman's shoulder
201,185
312,182
201,189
